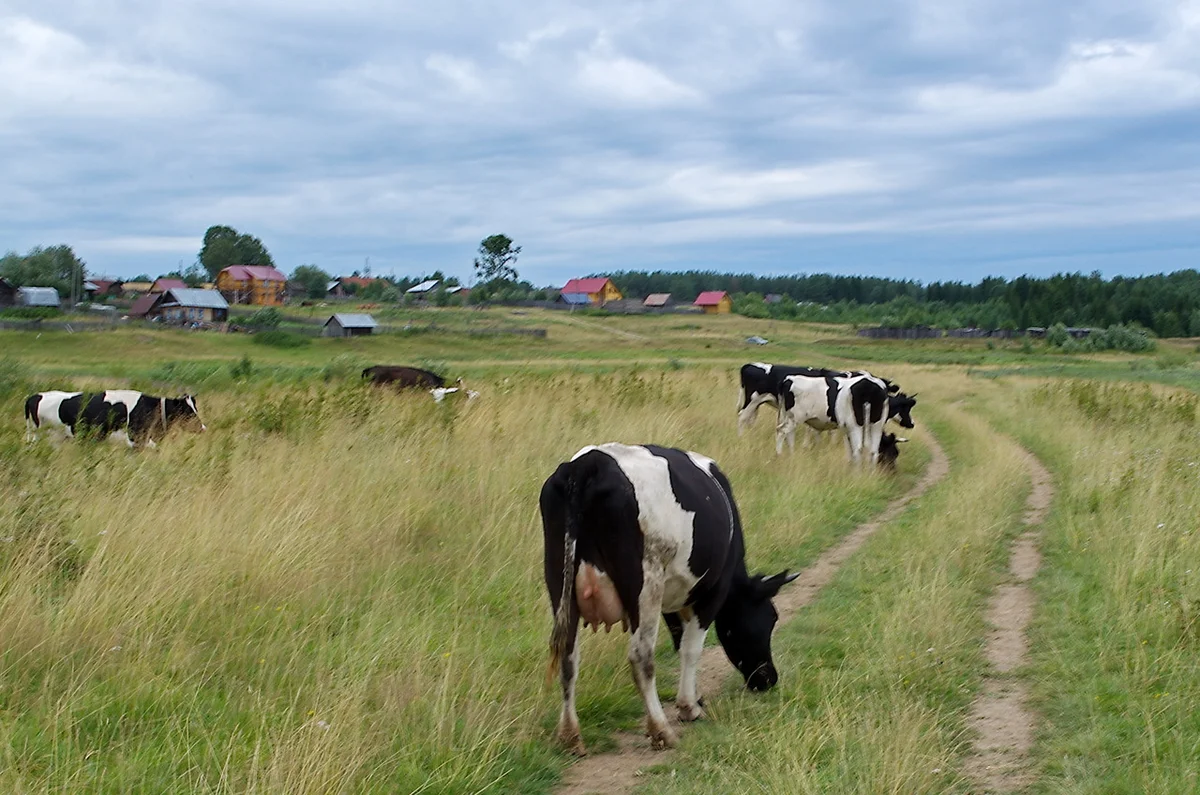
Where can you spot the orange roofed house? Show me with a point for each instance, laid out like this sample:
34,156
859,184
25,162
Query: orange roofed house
260,285
599,290
714,302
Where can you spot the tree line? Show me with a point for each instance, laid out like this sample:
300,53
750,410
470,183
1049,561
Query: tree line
1167,304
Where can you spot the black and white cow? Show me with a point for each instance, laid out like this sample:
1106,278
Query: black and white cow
857,404
635,531
889,451
762,385
126,413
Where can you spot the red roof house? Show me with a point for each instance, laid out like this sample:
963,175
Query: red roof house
714,302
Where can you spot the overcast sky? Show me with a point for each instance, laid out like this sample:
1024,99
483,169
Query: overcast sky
928,139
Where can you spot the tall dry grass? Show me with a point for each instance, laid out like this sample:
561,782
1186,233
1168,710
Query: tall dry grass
336,589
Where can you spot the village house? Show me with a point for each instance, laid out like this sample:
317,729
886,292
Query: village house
422,291
187,305
259,285
657,301
38,296
346,286
714,302
599,291
347,325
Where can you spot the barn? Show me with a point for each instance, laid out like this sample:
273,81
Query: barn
657,301
186,305
347,325
714,302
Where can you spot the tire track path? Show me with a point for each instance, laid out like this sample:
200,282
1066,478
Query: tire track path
619,771
1004,723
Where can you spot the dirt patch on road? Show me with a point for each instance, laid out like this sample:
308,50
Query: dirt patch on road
620,771
999,715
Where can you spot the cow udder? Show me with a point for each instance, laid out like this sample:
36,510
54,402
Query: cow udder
598,601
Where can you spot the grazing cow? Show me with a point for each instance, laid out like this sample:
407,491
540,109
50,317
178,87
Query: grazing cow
857,404
899,407
52,409
889,451
403,377
762,384
117,412
635,531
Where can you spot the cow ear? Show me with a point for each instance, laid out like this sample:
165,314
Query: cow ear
769,586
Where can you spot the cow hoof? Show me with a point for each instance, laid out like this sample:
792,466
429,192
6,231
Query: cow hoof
689,712
572,743
661,739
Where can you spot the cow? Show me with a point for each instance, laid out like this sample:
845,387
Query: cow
53,409
857,404
403,377
762,384
632,531
126,413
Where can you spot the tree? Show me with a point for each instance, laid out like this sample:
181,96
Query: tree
56,266
495,261
193,275
313,278
225,246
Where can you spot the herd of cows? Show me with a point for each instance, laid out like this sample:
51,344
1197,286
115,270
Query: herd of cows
634,531
630,531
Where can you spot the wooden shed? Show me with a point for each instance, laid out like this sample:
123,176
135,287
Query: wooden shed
347,325
714,302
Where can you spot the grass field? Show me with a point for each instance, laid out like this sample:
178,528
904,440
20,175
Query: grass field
339,590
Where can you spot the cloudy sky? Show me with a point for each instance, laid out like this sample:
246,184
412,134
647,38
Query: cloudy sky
928,139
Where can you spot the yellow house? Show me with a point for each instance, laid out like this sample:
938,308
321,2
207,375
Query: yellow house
260,285
714,302
599,290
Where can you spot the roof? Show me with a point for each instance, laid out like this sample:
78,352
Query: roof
104,285
262,273
136,287
458,288
189,297
424,286
360,281
142,305
709,298
38,296
576,298
90,287
162,285
657,299
592,285
352,321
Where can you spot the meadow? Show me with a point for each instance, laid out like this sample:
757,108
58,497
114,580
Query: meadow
338,589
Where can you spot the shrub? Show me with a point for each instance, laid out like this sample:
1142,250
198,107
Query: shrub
266,318
243,368
29,312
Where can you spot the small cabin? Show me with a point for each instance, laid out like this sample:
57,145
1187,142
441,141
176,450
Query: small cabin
187,305
714,302
347,325
657,301
599,290
38,296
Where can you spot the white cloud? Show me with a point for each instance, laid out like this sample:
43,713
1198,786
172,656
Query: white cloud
626,81
459,72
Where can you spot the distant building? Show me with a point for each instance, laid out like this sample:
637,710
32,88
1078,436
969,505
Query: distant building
38,296
8,293
346,325
164,284
143,304
574,299
99,289
344,286
134,289
714,302
599,290
422,291
187,305
259,285
657,301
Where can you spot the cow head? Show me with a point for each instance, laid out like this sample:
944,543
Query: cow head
899,406
745,624
183,410
889,450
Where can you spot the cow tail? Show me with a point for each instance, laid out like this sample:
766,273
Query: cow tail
31,417
562,616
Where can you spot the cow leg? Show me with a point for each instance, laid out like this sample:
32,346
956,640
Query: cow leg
747,415
641,660
568,721
874,435
690,648
854,443
786,429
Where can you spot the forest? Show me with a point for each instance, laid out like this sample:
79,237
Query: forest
1167,304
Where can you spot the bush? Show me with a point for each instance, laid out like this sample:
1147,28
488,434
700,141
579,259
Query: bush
1113,338
280,339
266,318
243,368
